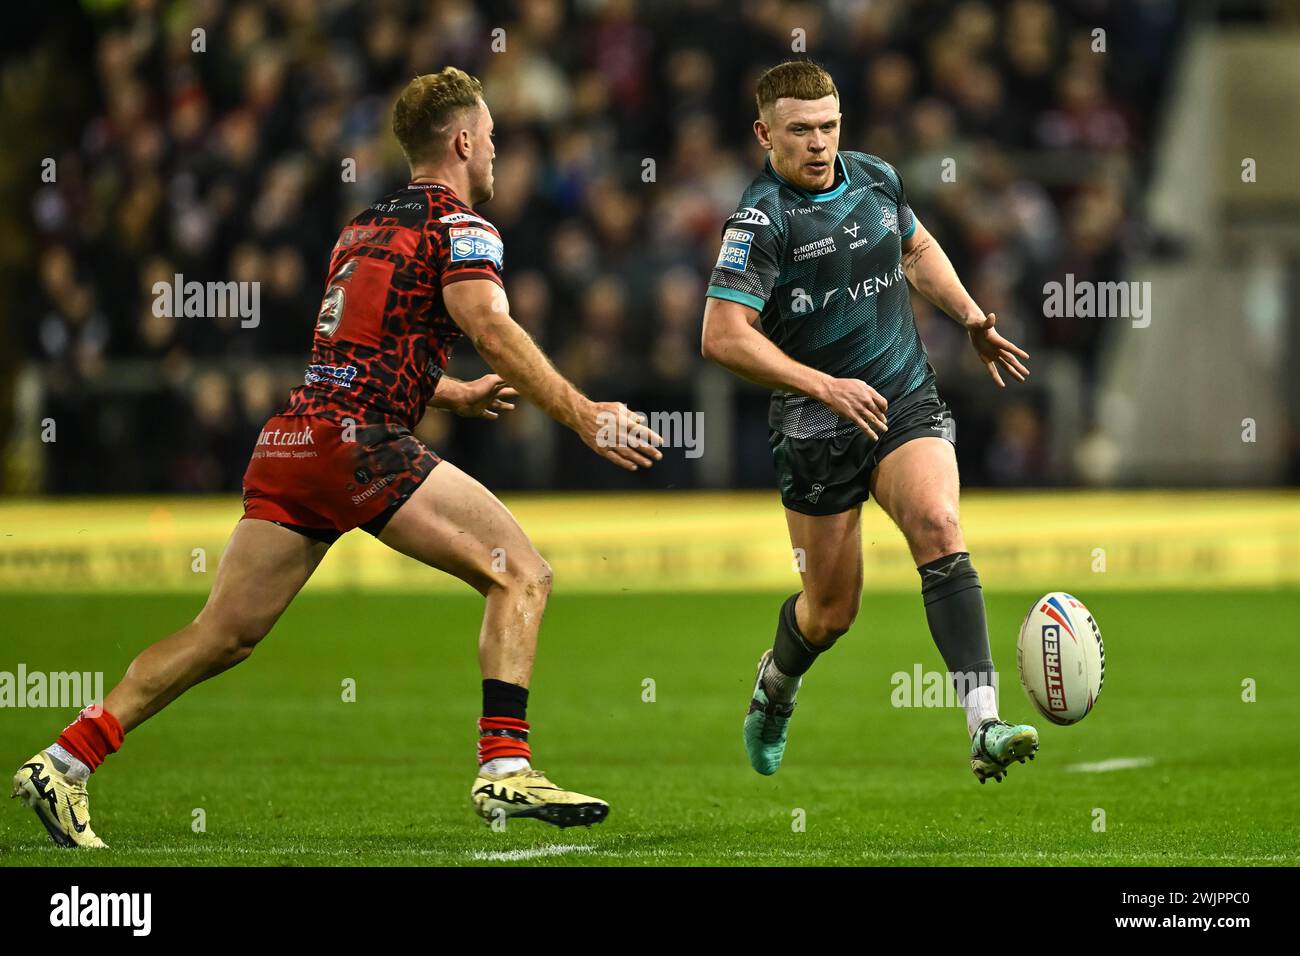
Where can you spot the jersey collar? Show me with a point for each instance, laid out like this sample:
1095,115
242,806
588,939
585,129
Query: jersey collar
831,193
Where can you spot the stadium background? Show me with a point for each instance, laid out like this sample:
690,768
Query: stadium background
228,164
1148,469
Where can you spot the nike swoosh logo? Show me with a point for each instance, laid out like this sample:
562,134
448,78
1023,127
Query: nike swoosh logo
76,824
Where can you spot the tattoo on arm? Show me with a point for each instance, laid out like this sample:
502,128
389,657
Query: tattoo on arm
911,258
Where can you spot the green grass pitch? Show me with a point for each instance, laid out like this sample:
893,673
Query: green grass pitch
286,772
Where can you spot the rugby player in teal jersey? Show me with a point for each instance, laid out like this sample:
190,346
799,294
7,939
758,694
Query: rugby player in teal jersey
810,298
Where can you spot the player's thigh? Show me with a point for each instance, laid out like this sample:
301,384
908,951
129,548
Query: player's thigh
453,523
828,549
262,569
917,485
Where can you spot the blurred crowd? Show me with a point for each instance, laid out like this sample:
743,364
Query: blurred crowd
623,141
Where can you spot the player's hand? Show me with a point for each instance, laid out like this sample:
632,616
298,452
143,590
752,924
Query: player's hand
861,404
485,397
994,350
618,434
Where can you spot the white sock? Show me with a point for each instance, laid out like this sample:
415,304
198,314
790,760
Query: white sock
500,765
981,704
68,765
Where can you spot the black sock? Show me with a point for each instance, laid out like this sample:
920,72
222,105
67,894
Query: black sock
501,699
954,608
791,652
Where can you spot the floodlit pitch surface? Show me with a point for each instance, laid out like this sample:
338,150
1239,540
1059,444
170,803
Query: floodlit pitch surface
1173,767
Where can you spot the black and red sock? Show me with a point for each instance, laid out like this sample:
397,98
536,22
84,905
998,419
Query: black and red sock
503,729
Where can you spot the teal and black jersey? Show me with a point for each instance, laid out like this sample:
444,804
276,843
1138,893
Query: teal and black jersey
824,270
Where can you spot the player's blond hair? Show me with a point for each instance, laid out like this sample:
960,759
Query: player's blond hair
427,106
795,79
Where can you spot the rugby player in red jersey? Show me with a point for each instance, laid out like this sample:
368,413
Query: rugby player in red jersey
408,277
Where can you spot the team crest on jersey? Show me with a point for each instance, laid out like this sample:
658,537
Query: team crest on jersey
734,254
890,221
471,242
751,216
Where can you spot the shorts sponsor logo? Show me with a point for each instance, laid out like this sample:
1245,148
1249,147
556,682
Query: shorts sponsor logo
751,216
281,436
811,250
373,489
945,426
283,443
734,254
473,242
816,492
340,375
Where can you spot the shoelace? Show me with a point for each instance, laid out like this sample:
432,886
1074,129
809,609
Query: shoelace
80,797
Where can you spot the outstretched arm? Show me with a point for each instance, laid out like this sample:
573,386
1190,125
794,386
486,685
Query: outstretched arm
931,273
480,308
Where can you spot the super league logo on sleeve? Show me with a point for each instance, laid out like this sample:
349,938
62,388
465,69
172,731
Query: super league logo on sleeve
734,254
473,242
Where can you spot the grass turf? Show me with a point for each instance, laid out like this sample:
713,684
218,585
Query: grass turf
286,772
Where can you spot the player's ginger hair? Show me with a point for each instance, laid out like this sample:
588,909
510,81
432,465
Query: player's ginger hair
428,105
795,79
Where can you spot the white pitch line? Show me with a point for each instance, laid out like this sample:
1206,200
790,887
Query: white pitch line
514,856
661,855
1114,763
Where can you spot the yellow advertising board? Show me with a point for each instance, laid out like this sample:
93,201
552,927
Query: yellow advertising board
696,541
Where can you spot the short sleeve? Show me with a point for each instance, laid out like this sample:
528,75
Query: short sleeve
749,260
467,250
906,220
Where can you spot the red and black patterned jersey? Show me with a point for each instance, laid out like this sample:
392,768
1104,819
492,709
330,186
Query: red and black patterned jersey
383,335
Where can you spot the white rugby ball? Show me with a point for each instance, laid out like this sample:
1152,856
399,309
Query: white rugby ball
1061,658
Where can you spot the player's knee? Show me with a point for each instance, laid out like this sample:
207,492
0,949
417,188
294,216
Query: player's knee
530,579
231,640
936,529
